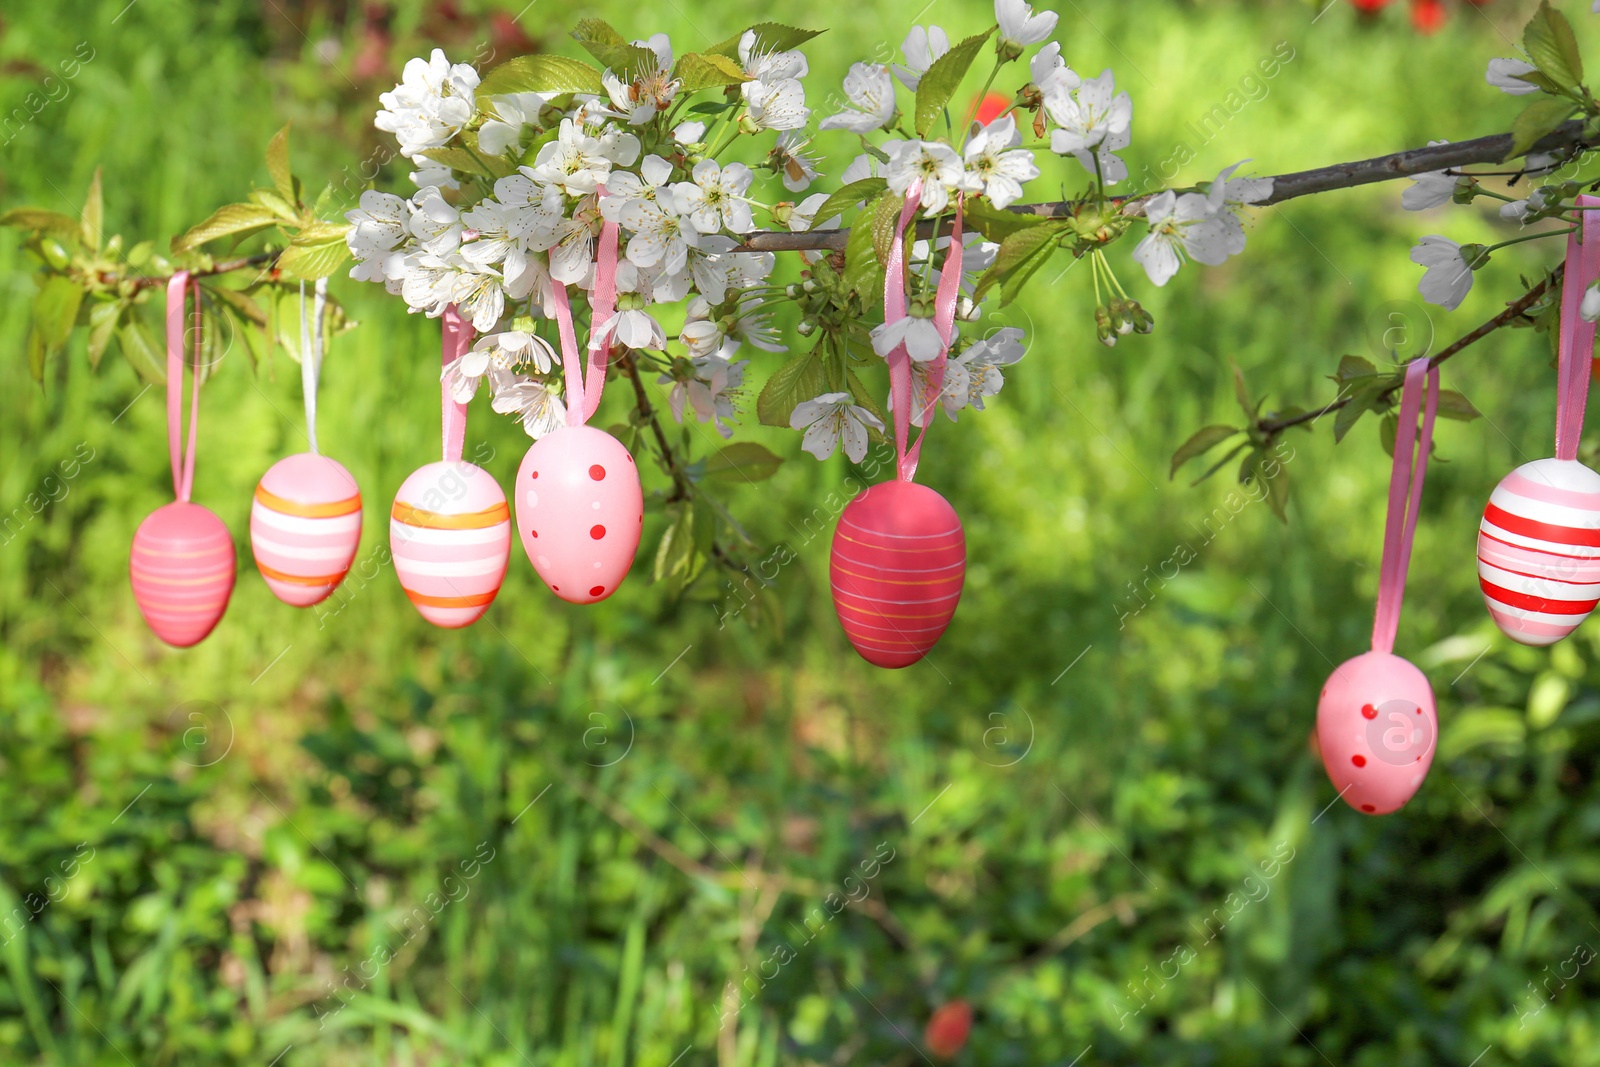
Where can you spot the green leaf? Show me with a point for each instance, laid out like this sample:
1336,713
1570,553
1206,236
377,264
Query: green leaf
540,74
1452,405
55,310
1352,367
864,398
856,192
770,37
230,219
1020,255
1241,394
94,214
1361,401
1276,476
141,352
1387,430
996,224
104,319
886,220
675,553
38,351
743,461
278,164
240,302
797,381
863,270
1538,120
312,258
697,71
41,221
1552,47
943,78
471,162
281,208
1219,464
1201,442
610,48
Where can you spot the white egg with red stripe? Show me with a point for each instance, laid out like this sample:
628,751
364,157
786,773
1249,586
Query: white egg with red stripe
1539,550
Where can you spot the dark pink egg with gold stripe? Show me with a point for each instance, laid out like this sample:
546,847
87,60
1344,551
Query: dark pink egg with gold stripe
899,558
1539,550
182,571
305,524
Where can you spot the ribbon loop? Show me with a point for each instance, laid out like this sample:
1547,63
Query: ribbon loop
907,454
457,339
584,390
181,454
1405,496
1575,350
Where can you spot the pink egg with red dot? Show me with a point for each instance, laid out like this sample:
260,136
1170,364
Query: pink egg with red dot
1377,729
305,524
580,510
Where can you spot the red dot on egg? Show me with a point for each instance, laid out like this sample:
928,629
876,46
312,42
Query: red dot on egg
1419,711
597,472
1369,711
597,590
534,532
1368,808
536,474
1359,761
597,532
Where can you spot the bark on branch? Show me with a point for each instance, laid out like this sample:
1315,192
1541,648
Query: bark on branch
1491,149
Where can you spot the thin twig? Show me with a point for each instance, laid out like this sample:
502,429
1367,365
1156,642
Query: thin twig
1491,149
226,266
681,488
1513,311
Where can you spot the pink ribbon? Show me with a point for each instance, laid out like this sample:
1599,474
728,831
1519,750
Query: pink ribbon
1575,352
182,472
1405,495
458,334
583,396
944,319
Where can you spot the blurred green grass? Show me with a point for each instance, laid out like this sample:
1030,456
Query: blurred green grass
1070,795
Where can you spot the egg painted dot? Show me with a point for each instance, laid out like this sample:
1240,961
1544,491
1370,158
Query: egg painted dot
543,561
1368,808
597,590
597,532
1369,711
532,498
534,532
597,472
536,474
596,564
1359,761
596,505
1419,711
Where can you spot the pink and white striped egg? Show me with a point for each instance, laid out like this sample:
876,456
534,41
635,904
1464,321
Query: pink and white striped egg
1539,550
182,572
450,535
305,525
580,510
1377,729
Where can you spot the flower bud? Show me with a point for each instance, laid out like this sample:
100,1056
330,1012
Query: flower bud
1475,255
1589,310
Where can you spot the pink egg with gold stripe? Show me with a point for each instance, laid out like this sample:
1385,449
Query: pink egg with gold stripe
898,563
182,569
305,525
450,535
1539,550
1377,729
580,510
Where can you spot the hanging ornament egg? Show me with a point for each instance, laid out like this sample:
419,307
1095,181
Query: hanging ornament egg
899,558
1376,731
450,535
580,511
1539,550
182,572
305,524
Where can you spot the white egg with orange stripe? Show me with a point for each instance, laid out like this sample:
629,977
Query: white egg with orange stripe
450,534
1539,550
305,525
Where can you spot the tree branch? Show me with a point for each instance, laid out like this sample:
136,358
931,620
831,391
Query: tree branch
226,266
1515,310
1491,149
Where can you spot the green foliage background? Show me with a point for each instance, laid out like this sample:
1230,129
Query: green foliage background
1083,798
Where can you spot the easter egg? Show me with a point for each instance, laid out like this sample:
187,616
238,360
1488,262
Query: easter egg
1376,731
580,511
1539,550
899,558
450,535
182,572
305,524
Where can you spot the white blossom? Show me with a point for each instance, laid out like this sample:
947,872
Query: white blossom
830,417
707,392
507,116
921,47
477,292
771,66
430,105
1191,223
777,105
1019,26
1094,120
871,90
435,223
1448,277
794,163
378,228
1589,309
936,164
659,235
572,254
633,328
919,335
715,198
688,133
541,409
430,173
1050,73
995,165
574,161
1506,75
1429,189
